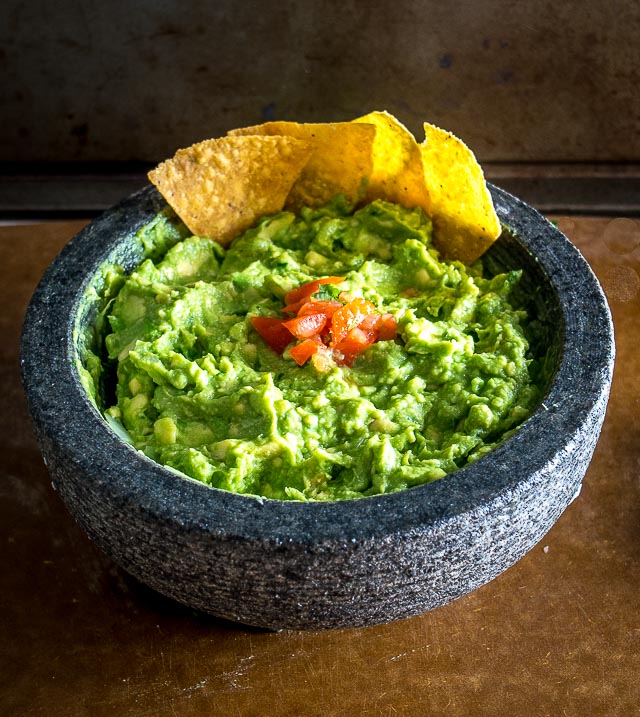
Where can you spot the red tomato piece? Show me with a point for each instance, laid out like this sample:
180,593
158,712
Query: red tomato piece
303,327
374,327
293,309
348,317
303,351
295,298
273,331
370,326
326,307
354,343
384,326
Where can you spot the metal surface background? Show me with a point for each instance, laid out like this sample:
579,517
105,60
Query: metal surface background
132,81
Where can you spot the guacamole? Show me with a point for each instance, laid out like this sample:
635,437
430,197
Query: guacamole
200,391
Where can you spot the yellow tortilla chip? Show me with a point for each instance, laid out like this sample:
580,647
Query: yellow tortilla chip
464,219
220,187
397,174
340,163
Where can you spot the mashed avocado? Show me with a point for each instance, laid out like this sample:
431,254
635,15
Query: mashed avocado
200,391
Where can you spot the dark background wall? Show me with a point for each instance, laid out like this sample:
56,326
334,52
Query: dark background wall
132,81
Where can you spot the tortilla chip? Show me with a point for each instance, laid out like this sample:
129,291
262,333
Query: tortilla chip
397,174
464,219
341,161
220,187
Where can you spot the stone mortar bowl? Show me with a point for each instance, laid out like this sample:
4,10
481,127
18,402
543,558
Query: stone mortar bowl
295,565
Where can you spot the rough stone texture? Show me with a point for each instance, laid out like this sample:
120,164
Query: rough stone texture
294,565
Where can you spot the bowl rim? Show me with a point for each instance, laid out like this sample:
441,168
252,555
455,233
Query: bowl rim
56,397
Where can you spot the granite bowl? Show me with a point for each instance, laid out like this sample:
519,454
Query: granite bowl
281,564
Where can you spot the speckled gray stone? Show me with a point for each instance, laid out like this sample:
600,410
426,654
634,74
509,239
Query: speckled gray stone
321,565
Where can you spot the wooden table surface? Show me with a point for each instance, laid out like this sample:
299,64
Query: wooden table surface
557,634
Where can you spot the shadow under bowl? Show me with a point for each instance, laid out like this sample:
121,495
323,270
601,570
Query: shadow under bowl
295,565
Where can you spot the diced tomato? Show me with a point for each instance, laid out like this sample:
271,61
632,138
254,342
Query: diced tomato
348,317
374,327
354,343
326,307
370,321
358,336
292,309
369,325
273,331
295,298
303,351
325,328
384,326
307,325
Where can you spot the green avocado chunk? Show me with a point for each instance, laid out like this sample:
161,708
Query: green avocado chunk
200,391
